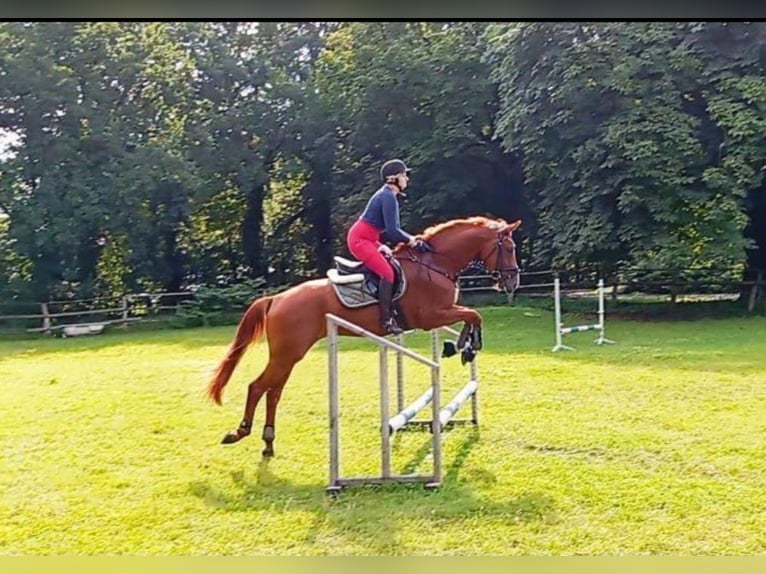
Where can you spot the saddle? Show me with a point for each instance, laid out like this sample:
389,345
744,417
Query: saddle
357,286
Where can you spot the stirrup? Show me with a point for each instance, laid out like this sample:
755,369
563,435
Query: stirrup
392,327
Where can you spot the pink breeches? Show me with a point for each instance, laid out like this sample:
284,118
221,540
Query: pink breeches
363,240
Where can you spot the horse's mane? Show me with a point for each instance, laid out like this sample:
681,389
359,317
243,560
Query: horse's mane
476,220
434,230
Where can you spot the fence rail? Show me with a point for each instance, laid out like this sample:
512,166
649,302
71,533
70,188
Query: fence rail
128,308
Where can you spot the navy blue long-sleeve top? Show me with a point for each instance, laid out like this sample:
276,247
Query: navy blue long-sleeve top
382,211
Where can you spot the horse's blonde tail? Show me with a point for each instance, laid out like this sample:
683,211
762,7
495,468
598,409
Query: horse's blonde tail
249,330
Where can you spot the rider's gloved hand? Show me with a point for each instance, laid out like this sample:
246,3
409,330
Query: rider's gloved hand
385,250
422,245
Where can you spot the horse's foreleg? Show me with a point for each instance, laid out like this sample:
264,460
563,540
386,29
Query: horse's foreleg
470,335
469,340
476,340
464,333
450,315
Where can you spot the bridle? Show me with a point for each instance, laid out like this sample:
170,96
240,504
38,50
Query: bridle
500,272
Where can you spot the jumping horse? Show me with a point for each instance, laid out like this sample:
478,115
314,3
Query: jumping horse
294,320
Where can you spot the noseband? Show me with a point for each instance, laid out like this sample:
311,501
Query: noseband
500,271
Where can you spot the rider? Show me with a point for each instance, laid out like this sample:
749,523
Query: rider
380,221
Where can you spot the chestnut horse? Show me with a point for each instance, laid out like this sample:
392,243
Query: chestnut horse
295,319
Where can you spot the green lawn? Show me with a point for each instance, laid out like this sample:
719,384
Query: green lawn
653,445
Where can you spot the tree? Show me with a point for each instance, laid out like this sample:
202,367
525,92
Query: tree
251,90
615,123
100,111
418,91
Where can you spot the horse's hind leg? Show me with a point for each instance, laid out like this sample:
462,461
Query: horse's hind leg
272,400
272,379
255,391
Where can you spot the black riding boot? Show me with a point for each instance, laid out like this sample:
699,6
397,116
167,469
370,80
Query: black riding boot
385,299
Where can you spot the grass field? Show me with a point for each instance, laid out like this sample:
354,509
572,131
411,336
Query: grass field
654,445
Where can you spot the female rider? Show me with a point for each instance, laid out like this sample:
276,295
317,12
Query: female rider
380,222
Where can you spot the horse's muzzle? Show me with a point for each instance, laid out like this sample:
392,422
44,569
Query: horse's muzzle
508,280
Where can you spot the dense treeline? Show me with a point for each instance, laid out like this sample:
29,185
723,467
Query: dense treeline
143,155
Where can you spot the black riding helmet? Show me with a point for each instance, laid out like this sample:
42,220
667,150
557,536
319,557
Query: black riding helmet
393,167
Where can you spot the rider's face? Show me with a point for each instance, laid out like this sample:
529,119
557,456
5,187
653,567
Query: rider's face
402,180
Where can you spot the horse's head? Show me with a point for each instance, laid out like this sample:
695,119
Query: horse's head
499,256
483,240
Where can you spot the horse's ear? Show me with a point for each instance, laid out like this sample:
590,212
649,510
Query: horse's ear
511,227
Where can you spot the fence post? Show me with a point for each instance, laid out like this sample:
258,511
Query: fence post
332,368
46,317
385,435
124,307
674,287
400,375
754,292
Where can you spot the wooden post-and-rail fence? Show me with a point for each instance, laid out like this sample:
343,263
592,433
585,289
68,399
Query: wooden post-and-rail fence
97,313
70,321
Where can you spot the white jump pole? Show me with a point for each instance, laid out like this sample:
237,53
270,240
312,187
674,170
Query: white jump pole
446,413
557,312
602,325
561,330
405,414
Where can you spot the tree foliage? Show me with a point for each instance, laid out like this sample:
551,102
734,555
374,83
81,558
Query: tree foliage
159,155
623,128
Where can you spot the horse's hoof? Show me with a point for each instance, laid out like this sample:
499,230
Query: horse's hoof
450,349
267,452
231,438
467,355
